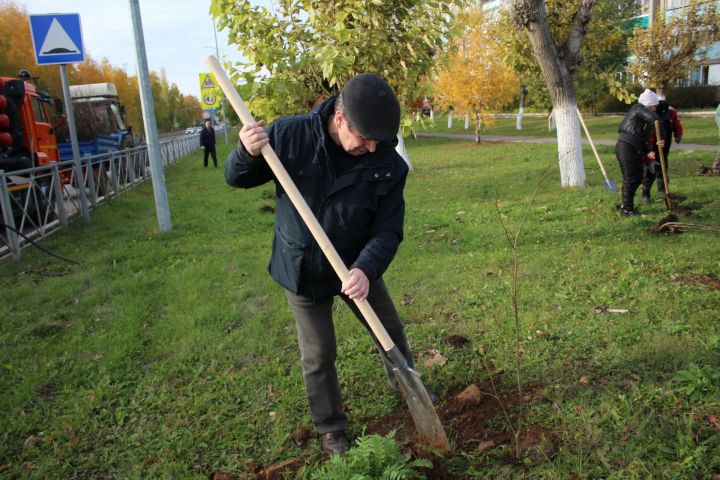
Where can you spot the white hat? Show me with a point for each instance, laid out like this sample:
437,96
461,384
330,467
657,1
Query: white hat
648,98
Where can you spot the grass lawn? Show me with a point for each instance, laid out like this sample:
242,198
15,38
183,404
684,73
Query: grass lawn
697,129
174,355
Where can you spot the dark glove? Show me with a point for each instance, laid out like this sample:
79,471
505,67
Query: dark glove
678,139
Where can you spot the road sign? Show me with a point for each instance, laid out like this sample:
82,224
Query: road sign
57,38
208,93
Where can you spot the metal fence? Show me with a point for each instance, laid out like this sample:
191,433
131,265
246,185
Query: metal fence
37,201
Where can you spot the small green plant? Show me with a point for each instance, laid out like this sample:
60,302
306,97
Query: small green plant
691,455
699,383
373,458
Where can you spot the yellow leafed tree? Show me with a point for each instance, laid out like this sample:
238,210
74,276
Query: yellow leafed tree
475,80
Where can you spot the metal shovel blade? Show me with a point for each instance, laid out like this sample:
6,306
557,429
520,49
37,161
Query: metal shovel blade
610,185
427,422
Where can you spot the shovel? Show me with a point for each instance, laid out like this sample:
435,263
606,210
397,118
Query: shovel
661,151
609,184
427,422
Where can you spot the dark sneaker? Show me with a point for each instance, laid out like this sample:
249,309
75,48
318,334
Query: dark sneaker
629,212
645,196
336,442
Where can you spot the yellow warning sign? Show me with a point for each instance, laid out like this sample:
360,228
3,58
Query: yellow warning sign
208,96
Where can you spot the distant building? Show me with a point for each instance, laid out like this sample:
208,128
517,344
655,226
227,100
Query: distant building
708,72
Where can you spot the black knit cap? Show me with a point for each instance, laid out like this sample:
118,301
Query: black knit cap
372,107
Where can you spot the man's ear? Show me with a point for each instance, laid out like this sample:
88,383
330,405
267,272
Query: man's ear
337,118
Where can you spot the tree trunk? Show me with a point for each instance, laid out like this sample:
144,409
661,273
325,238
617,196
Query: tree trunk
558,63
478,124
400,148
572,169
562,95
521,108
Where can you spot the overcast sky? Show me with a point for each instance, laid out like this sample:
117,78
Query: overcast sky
179,34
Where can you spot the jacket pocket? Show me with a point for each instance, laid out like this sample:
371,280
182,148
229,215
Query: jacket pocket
286,262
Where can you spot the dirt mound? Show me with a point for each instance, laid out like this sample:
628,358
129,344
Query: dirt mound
667,225
707,172
471,417
706,280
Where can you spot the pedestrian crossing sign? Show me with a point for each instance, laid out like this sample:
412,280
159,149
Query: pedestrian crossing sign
208,91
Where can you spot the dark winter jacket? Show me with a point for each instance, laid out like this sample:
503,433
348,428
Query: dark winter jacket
670,126
207,137
636,126
361,210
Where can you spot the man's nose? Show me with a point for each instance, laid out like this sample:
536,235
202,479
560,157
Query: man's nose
371,145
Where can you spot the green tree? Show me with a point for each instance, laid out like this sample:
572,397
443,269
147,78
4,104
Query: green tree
604,51
306,49
556,32
674,45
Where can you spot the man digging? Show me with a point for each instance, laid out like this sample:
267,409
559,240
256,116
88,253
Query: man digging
342,158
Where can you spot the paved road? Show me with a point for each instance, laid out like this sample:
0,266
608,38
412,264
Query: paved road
521,139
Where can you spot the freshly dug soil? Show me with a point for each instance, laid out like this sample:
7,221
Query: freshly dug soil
471,416
706,280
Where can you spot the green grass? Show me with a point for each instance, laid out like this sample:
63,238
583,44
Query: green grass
174,355
702,130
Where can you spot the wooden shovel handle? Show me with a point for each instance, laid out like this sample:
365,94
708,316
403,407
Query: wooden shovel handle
661,152
592,144
299,202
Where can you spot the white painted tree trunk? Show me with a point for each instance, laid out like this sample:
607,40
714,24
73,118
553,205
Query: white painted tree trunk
518,120
551,122
449,120
558,64
432,115
572,170
400,148
467,121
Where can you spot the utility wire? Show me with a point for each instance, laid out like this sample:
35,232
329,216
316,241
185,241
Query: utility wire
52,254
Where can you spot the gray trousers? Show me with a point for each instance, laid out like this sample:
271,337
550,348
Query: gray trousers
318,350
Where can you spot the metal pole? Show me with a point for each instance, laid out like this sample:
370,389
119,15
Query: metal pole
58,192
151,133
222,101
7,217
79,178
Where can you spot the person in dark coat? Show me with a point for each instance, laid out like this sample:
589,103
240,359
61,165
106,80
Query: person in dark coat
670,126
342,158
207,142
632,144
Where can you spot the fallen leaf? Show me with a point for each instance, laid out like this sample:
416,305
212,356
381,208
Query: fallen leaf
435,358
485,445
714,421
584,380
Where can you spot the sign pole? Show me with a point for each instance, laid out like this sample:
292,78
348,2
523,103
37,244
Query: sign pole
79,177
222,101
151,132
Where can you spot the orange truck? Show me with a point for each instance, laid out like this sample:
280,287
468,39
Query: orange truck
27,137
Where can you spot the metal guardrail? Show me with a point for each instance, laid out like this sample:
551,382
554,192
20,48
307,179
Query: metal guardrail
38,201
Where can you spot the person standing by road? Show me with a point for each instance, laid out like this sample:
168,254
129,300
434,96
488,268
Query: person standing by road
632,144
342,158
207,142
669,126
